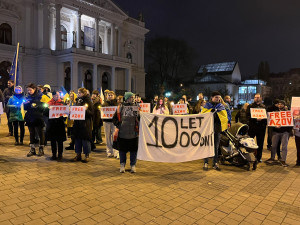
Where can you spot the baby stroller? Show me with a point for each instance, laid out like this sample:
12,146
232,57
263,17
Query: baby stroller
237,148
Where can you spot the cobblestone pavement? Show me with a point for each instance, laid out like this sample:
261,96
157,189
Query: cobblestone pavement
36,190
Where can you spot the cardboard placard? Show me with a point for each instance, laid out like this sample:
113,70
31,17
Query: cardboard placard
257,113
77,112
281,118
108,112
58,111
295,108
145,107
180,109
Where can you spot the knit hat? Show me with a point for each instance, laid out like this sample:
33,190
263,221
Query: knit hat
128,95
214,93
282,102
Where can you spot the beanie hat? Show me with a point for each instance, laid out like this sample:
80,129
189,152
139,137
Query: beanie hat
282,102
47,86
214,93
128,95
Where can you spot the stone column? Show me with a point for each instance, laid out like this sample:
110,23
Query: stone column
74,75
97,35
112,39
128,79
78,32
113,78
57,30
46,27
119,40
105,46
95,76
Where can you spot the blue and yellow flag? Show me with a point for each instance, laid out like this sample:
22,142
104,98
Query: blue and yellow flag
14,70
221,112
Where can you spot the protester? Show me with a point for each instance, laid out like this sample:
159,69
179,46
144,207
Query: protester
199,106
1,101
34,118
257,127
297,141
47,95
227,100
220,124
16,111
241,115
109,127
72,102
56,128
272,108
280,134
119,99
106,94
154,102
126,121
97,121
138,99
161,108
83,128
7,93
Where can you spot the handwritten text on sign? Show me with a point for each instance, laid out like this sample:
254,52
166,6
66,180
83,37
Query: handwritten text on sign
58,111
258,113
180,109
145,107
108,112
77,112
169,138
283,118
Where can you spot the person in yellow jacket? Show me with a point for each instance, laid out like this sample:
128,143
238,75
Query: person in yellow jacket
220,124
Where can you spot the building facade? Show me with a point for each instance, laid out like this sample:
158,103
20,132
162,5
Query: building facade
73,43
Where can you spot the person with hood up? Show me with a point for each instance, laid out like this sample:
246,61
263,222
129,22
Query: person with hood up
83,128
56,128
16,110
34,118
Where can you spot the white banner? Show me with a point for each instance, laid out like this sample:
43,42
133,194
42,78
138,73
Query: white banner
165,138
108,112
257,113
77,113
58,111
180,109
1,108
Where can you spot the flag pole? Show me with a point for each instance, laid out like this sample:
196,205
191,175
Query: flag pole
16,66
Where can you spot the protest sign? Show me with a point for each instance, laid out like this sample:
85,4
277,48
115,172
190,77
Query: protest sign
58,111
257,113
145,107
281,118
175,138
180,109
108,112
295,108
77,112
1,108
130,110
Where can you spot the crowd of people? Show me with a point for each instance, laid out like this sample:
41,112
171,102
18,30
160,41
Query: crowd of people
121,131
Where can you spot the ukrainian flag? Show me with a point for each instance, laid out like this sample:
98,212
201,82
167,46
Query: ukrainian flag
221,111
14,70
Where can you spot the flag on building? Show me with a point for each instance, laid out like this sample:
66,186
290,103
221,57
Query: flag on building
14,70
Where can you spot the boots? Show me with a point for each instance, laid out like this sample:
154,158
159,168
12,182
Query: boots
122,168
41,150
32,151
77,158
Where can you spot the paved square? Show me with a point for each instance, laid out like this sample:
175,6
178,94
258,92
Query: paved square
36,190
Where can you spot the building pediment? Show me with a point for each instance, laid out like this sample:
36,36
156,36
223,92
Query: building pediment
108,5
9,9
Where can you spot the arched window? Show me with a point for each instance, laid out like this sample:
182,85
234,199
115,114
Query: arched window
67,83
100,45
5,34
104,81
129,56
88,84
64,37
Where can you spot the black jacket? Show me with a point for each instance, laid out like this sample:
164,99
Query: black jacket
83,128
7,93
35,109
254,123
97,121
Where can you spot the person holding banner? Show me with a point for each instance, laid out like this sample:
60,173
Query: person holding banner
83,128
7,93
126,119
280,134
16,113
56,128
161,107
257,127
97,121
34,118
109,127
220,124
72,102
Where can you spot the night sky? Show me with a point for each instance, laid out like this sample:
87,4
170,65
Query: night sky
247,31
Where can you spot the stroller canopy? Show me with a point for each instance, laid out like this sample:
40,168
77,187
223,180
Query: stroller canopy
238,129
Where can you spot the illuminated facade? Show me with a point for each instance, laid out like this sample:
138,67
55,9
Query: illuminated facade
72,43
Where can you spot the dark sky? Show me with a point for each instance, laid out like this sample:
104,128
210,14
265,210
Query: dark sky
247,31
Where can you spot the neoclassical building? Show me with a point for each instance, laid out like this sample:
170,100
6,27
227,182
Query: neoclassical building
72,43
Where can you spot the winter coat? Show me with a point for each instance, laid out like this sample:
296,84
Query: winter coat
56,127
241,116
7,93
254,123
83,128
35,109
97,121
14,104
109,103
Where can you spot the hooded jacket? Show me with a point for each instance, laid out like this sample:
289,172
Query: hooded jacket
15,105
35,109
